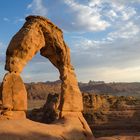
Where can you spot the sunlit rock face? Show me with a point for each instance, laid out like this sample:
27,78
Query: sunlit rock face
14,95
40,34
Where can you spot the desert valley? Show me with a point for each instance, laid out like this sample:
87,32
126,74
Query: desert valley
109,108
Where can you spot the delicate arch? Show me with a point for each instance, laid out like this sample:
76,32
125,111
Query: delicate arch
40,34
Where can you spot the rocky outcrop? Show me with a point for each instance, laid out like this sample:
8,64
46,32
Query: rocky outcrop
40,34
14,95
112,115
106,115
68,128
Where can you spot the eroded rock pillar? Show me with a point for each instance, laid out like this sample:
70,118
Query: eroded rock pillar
71,99
14,96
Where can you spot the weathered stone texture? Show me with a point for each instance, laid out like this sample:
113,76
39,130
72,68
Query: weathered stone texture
14,95
39,33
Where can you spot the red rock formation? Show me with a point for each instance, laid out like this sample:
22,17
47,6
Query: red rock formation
40,34
14,95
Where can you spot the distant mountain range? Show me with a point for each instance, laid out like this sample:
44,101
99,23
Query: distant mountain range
118,89
40,90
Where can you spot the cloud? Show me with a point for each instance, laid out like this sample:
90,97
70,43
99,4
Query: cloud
40,69
38,7
115,10
130,74
2,51
87,17
91,16
130,30
98,15
103,56
110,61
6,19
18,20
123,11
82,44
2,59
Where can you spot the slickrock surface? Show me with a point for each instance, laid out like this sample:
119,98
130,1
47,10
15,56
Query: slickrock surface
68,128
29,130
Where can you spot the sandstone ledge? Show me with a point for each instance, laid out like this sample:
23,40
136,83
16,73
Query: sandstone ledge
122,137
65,129
29,130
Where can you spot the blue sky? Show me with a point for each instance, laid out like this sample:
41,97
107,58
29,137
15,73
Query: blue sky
103,35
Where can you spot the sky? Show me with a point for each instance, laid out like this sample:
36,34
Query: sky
103,35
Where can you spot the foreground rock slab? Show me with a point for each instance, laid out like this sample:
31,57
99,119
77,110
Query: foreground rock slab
122,137
29,130
69,128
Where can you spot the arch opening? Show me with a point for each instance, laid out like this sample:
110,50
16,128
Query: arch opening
39,69
39,34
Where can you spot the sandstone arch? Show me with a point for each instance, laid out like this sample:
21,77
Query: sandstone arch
40,34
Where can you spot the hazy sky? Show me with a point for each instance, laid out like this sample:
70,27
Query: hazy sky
103,35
